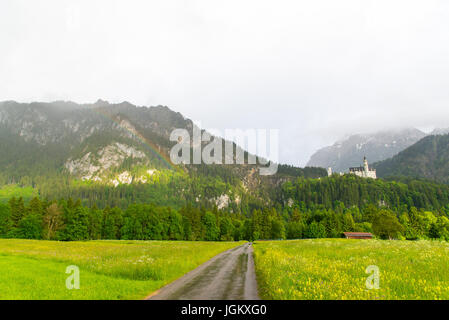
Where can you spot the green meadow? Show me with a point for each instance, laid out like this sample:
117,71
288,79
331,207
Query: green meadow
335,269
31,269
315,269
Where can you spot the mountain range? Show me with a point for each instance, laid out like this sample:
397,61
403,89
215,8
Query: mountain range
116,154
376,147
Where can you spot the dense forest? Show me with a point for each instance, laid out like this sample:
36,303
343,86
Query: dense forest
69,220
199,185
359,192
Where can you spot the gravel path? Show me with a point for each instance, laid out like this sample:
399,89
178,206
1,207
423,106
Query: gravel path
228,276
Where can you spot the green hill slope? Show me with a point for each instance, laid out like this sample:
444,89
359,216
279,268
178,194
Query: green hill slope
427,159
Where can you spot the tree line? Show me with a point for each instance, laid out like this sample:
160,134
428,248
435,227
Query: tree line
355,191
68,220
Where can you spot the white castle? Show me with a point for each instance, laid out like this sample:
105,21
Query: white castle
363,171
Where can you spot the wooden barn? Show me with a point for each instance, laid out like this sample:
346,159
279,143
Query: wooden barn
358,235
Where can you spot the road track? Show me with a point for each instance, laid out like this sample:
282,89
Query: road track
228,276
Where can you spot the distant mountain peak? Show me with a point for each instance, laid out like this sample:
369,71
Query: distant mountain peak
376,146
101,103
440,131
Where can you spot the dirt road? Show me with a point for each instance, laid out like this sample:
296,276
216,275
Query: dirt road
228,276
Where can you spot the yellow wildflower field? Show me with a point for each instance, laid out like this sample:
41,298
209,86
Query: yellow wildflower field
336,269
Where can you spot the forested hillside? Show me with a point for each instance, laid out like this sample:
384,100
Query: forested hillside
118,154
352,191
307,214
427,159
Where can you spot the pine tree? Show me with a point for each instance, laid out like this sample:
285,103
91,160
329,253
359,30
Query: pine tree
17,210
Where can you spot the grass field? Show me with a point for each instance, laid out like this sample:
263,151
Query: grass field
335,269
108,269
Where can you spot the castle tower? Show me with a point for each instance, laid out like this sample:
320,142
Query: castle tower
365,165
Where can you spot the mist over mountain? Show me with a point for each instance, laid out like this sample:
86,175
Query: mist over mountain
440,131
376,147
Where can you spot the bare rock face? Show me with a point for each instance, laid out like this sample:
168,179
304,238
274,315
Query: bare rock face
83,167
222,201
95,164
123,178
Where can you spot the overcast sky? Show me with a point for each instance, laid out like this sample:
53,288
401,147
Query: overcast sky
317,69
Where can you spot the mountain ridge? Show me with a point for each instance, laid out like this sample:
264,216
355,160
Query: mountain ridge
426,159
349,152
67,149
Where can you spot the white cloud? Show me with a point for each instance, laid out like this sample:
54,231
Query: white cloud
317,70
